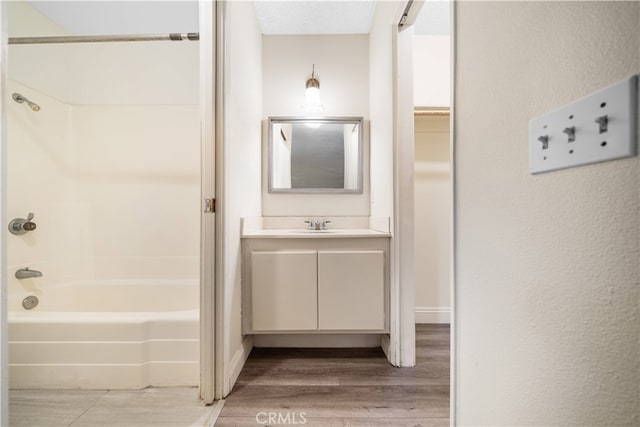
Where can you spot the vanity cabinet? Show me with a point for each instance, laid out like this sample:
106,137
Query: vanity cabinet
315,285
350,290
284,290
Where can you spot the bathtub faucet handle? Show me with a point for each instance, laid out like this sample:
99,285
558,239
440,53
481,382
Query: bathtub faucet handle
20,226
29,225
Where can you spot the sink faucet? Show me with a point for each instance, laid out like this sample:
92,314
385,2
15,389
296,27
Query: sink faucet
317,224
26,273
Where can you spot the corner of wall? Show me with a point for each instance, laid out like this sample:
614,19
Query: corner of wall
237,362
242,166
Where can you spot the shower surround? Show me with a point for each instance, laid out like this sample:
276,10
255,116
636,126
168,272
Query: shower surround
110,165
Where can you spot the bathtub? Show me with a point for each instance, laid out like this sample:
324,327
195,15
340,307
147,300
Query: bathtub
105,335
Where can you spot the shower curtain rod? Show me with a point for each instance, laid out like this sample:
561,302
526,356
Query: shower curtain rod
103,39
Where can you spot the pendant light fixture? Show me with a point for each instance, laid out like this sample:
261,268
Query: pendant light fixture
312,94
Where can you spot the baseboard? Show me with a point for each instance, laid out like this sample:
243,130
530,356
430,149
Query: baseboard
213,415
238,360
385,343
317,340
433,315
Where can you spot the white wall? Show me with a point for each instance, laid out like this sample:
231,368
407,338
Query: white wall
547,266
403,241
109,165
432,70
432,219
381,109
342,67
391,103
242,160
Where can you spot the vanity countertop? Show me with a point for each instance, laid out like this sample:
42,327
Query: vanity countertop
301,233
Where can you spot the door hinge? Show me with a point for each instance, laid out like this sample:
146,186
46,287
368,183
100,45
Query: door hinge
209,205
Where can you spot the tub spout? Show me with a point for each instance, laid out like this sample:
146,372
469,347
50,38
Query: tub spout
26,273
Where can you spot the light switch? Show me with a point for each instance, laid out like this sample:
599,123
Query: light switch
599,127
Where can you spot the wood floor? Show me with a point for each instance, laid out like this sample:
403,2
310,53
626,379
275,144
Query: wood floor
343,387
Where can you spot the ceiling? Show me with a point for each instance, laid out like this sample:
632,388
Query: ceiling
274,16
315,16
122,17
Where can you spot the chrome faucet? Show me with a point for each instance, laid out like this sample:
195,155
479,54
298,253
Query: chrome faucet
316,224
26,273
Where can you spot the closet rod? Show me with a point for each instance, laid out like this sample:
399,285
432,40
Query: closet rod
431,112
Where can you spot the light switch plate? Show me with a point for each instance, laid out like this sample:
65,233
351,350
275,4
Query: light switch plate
604,126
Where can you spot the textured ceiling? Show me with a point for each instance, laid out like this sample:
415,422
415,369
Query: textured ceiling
315,16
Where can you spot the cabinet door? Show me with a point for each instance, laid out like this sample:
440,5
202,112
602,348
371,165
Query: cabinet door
284,293
351,290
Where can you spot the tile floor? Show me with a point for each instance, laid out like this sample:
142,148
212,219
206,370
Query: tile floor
151,407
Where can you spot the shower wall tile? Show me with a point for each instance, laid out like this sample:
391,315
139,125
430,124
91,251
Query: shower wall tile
43,68
39,177
110,165
145,267
149,144
140,180
159,73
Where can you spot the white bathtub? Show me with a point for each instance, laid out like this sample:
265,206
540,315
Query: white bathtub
108,335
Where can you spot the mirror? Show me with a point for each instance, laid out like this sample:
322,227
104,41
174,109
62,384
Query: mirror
315,155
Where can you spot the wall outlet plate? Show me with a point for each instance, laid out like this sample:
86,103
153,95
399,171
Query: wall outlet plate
599,127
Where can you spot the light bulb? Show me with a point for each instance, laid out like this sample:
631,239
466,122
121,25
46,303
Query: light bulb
312,101
312,95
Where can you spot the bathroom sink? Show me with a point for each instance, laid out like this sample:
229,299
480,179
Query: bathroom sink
313,231
305,233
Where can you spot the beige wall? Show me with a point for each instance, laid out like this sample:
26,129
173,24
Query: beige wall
432,219
342,67
547,266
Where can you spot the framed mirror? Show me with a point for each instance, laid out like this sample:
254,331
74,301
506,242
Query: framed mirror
315,155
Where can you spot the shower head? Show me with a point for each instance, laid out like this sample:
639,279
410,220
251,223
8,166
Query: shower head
21,99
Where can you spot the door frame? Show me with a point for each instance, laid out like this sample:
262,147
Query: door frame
453,208
4,329
208,298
